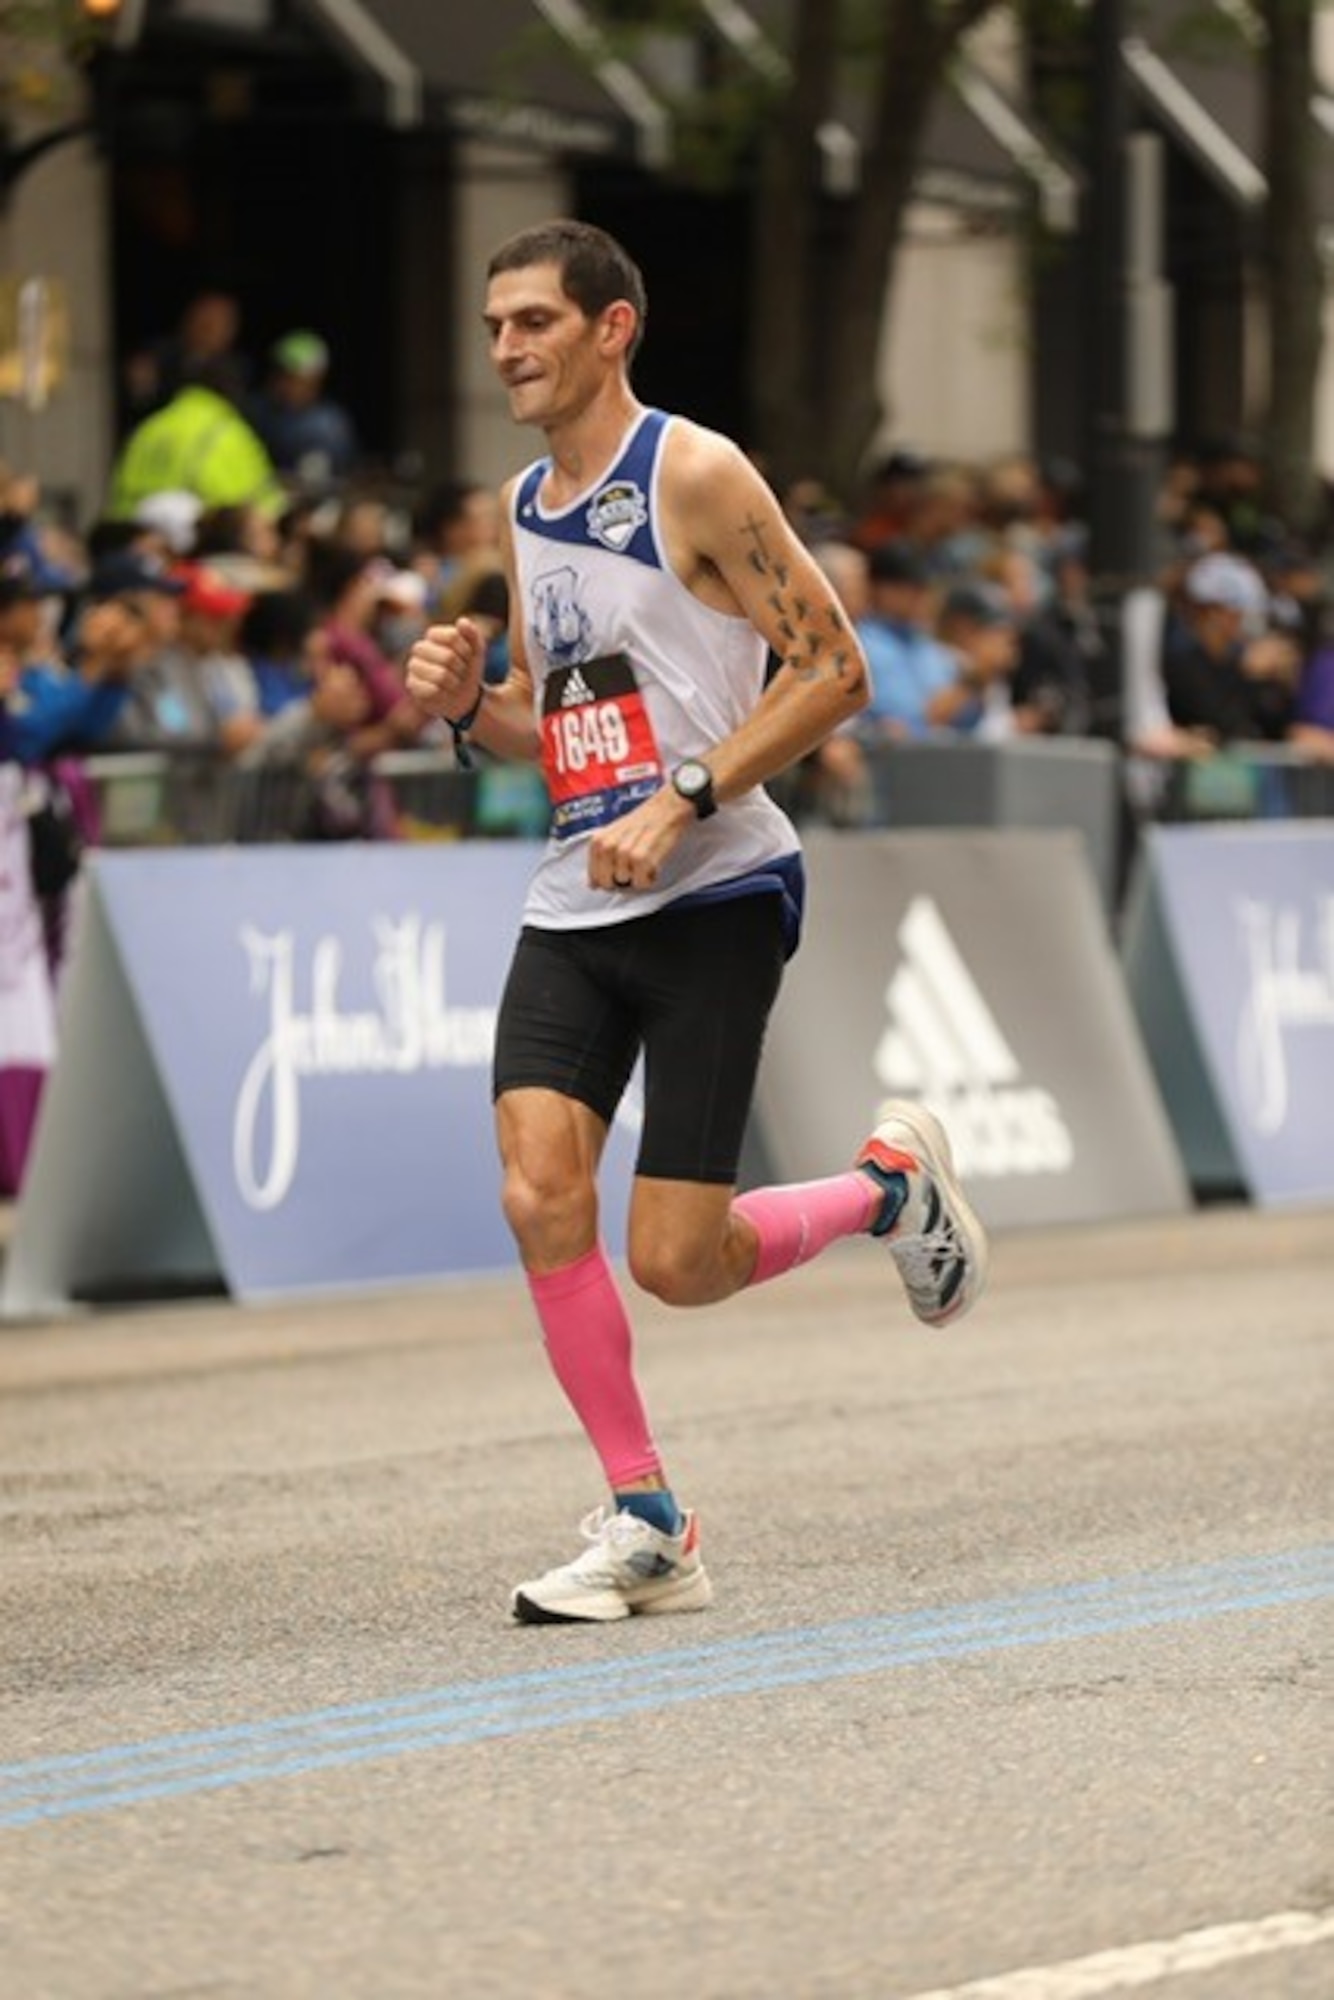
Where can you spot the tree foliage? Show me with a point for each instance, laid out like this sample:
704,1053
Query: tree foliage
41,42
824,268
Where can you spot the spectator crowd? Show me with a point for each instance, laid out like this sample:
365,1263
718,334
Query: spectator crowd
243,602
245,598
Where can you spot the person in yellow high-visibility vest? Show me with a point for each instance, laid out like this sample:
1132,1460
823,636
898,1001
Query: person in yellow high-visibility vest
197,443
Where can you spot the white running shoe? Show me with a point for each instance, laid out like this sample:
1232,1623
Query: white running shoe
628,1567
935,1239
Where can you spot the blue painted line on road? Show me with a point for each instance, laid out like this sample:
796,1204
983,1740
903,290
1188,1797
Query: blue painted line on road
120,1776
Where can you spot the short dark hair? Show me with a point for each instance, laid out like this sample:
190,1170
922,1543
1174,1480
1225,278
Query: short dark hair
278,623
330,570
595,270
445,503
898,562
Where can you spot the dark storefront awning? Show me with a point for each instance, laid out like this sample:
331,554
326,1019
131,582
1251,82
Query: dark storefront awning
524,71
537,71
534,72
1200,79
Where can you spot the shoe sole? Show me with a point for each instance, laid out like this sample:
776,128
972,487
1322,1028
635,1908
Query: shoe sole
913,1129
691,1593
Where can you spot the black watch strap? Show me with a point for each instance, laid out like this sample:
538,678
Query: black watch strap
692,780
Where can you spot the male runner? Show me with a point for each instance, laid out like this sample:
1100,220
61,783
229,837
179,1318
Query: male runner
651,571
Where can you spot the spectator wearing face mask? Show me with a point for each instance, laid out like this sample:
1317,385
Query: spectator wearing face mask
400,616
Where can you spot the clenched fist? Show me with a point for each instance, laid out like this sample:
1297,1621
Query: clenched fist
444,669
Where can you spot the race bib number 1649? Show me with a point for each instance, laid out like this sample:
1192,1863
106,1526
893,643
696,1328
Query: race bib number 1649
599,754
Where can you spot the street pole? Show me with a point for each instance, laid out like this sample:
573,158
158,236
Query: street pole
1129,347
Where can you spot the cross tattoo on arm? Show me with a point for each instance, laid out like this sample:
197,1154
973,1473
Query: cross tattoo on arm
799,623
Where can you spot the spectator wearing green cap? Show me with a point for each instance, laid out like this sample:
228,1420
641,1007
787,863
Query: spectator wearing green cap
310,438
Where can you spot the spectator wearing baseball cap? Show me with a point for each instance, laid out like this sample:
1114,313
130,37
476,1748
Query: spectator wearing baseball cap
139,583
909,666
1223,580
132,572
209,595
170,521
310,438
977,622
58,706
196,692
1228,675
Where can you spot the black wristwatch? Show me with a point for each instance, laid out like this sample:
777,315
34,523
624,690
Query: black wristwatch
693,781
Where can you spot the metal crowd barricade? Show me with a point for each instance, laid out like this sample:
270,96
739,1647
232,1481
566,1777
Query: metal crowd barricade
190,798
1025,781
428,796
179,798
158,798
196,798
1248,781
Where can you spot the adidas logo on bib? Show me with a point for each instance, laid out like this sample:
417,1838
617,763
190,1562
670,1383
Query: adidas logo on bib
575,690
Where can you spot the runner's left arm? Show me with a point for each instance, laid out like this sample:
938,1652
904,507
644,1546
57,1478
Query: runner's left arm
731,544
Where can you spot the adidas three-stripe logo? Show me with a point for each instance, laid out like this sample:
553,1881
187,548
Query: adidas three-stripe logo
944,1044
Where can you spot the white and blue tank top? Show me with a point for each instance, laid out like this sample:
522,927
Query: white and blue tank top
632,673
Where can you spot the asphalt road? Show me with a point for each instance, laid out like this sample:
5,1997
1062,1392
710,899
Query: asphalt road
1012,1690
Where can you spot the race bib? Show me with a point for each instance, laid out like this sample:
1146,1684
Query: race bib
599,755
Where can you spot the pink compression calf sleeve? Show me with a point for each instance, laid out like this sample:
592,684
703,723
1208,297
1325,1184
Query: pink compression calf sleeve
796,1223
590,1346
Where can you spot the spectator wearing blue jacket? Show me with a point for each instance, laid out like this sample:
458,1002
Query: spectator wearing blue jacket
910,668
310,438
54,707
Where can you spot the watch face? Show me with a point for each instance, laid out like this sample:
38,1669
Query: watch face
694,782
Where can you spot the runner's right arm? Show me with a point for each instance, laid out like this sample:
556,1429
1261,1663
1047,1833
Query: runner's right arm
444,677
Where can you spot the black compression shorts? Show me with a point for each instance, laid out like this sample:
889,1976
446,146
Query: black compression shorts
690,986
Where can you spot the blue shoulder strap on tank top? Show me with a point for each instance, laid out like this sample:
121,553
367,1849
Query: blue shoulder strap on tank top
617,516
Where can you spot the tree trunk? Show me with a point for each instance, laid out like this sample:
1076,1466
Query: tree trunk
1296,286
918,41
786,229
819,330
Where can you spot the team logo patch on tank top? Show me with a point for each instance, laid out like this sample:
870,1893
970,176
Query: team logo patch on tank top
615,511
559,624
600,757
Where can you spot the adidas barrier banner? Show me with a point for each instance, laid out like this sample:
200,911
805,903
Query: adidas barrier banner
1229,954
972,971
274,1075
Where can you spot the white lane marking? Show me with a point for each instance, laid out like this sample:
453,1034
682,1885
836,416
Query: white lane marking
1142,1964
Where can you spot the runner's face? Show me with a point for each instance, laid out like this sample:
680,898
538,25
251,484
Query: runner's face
543,348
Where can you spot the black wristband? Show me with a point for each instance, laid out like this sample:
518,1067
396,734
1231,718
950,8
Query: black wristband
462,754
